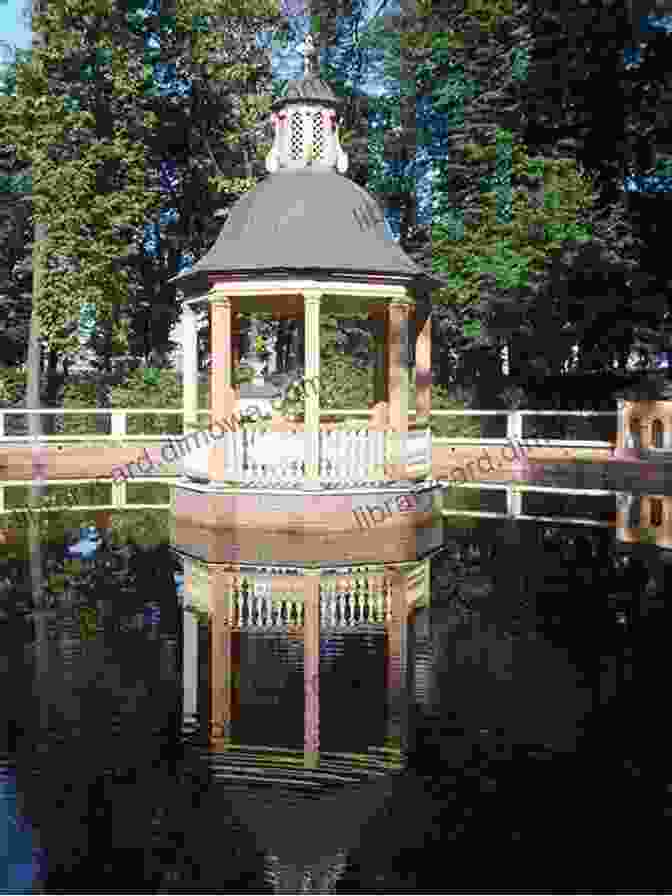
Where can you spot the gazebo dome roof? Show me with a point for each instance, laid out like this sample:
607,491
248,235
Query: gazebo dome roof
303,220
311,89
306,219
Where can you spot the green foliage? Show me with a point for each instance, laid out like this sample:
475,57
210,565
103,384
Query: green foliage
86,114
342,385
488,12
161,390
80,395
90,493
506,249
451,95
151,376
293,402
448,427
147,493
243,373
50,525
88,617
520,63
456,498
12,387
147,528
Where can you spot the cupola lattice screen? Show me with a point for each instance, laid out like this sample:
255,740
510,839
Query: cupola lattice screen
306,137
297,136
318,136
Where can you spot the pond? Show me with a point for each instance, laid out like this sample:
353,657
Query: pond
534,754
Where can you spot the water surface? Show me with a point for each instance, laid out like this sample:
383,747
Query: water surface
534,747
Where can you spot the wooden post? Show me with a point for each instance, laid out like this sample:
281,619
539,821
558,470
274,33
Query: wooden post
423,367
220,655
222,398
398,316
189,668
378,419
311,300
189,368
396,657
311,667
235,355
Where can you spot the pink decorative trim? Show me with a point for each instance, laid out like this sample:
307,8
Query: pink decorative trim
625,454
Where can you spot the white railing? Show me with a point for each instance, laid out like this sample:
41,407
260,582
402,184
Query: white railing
514,503
118,424
514,429
336,611
119,420
355,457
266,601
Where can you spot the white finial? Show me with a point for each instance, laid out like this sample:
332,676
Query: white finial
309,54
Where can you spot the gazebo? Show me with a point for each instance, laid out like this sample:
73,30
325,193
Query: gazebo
307,528
308,241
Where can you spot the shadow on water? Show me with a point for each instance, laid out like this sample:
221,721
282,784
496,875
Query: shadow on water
536,758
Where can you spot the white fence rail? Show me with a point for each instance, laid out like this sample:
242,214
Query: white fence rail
119,425
514,429
514,503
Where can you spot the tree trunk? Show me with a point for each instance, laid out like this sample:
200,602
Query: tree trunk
34,357
53,385
33,372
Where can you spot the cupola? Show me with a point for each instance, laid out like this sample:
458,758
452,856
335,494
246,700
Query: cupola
305,121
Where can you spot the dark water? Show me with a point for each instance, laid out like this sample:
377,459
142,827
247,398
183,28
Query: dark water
537,757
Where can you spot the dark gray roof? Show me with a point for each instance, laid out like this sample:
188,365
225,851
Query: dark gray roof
307,220
306,90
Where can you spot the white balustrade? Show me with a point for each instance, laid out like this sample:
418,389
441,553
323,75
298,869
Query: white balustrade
346,601
118,425
278,458
418,446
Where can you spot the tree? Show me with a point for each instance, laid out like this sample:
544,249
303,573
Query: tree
85,114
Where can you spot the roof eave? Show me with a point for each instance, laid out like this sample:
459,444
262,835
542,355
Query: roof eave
199,282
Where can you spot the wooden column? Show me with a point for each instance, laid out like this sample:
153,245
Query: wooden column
398,317
311,667
189,368
620,435
396,624
189,650
222,398
379,412
189,667
311,300
423,366
235,354
220,655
